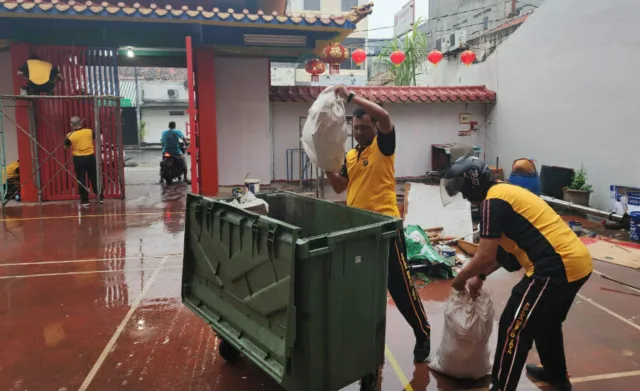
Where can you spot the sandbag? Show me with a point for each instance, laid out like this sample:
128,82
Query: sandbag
324,133
464,352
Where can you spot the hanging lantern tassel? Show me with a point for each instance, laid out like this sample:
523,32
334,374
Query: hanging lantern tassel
397,57
359,56
434,57
468,57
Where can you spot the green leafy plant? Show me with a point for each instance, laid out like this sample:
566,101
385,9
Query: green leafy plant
142,131
414,47
579,181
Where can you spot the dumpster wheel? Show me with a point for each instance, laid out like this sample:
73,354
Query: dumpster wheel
369,382
228,352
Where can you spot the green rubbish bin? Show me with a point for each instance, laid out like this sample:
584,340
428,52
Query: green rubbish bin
301,292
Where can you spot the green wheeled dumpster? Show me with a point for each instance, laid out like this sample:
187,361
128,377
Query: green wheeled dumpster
301,291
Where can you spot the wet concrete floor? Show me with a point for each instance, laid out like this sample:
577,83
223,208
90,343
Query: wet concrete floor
90,300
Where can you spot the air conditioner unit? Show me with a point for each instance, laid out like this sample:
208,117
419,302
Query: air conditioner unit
172,93
459,39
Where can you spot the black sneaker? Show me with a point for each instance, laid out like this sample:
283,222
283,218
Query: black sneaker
84,204
538,374
421,351
101,199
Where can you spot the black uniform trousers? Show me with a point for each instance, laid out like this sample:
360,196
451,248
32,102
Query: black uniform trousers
85,166
403,292
534,313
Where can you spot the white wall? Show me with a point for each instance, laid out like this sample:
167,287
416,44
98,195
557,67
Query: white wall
417,125
6,88
157,119
157,91
567,91
242,112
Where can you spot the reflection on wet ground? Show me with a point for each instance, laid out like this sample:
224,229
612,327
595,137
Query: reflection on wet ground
90,300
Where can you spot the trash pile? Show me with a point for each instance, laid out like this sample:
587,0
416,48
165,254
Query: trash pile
426,257
250,202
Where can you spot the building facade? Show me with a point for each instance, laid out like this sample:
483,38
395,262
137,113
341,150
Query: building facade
453,22
286,74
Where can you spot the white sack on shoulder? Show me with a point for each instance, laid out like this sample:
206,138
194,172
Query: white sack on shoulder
324,135
464,352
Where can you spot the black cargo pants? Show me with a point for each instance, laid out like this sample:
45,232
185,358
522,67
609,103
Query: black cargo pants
534,313
403,292
85,166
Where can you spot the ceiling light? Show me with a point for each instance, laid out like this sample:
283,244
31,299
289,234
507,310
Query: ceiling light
130,53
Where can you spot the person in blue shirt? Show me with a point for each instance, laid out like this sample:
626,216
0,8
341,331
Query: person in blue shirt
171,144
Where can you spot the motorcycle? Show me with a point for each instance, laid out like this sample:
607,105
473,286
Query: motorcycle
171,167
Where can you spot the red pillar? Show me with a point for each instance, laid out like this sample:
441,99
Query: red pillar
20,54
205,86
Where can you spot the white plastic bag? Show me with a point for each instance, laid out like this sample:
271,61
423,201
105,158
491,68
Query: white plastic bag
324,135
464,352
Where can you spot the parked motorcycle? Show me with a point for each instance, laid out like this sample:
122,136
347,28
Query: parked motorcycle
171,168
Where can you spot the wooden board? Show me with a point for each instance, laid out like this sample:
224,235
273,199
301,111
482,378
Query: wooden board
423,207
611,253
468,247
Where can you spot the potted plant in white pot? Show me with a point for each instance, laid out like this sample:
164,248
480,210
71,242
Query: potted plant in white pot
579,190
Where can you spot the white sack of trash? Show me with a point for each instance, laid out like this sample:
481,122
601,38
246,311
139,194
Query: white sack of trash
464,352
324,133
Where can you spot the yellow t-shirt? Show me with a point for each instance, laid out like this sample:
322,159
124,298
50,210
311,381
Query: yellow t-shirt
81,142
371,173
534,234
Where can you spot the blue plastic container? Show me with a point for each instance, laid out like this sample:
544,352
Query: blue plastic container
635,226
528,181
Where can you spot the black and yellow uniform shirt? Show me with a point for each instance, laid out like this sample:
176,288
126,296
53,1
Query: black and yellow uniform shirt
39,72
81,142
533,234
12,171
371,172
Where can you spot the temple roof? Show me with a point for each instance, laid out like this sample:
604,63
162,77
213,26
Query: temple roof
184,13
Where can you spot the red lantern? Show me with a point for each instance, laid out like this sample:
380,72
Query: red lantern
315,68
434,57
359,56
333,55
467,57
397,57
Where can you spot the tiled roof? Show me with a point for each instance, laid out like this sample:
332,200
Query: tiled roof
390,94
128,90
508,23
185,13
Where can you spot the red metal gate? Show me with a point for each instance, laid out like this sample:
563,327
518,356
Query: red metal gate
88,72
192,126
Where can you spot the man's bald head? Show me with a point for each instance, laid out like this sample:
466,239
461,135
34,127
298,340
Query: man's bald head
76,123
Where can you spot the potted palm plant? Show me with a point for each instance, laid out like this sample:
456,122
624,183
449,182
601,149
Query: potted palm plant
579,190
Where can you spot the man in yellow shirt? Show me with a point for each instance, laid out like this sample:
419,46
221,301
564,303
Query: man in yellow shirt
41,76
12,179
84,159
368,176
519,230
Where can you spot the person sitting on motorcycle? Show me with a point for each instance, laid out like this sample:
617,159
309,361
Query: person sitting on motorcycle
171,139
